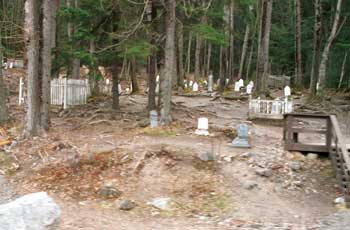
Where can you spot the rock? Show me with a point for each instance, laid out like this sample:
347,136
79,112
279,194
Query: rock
264,172
249,185
160,203
127,205
295,165
35,211
312,156
109,192
207,156
339,200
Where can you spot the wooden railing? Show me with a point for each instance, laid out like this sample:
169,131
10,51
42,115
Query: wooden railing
334,144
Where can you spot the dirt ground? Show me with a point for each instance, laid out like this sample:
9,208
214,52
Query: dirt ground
85,149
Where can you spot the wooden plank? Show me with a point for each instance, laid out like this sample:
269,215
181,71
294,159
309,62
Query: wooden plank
307,148
305,130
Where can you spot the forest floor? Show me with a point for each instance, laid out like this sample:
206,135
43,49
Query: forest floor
85,151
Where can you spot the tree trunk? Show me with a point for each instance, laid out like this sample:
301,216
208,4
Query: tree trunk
298,57
48,14
180,51
135,86
325,54
169,68
244,51
317,49
4,113
74,71
231,40
189,53
152,68
115,88
223,57
209,58
197,65
263,50
32,40
342,70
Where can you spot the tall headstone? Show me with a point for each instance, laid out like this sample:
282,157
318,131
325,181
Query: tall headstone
190,84
195,87
287,91
153,118
241,82
210,83
237,86
120,90
249,89
227,81
203,126
242,139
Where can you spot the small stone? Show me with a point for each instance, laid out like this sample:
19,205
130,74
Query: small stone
249,185
339,200
228,159
295,165
264,172
160,203
312,156
127,205
207,156
109,192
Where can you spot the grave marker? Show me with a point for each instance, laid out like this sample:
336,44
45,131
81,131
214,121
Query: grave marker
210,83
203,126
242,140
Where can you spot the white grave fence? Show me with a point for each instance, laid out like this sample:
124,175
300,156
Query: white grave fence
270,109
66,92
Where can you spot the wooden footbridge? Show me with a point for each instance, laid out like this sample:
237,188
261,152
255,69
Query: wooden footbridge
327,129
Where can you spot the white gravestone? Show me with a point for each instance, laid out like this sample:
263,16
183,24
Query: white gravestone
287,91
205,82
241,82
203,126
251,83
210,83
107,81
190,84
120,90
237,86
195,87
227,81
249,89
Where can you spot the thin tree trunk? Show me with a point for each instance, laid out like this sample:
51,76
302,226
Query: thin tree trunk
46,54
244,51
152,68
33,96
189,53
4,113
231,40
169,68
135,86
317,49
325,54
209,58
224,63
298,57
263,50
342,70
197,65
180,51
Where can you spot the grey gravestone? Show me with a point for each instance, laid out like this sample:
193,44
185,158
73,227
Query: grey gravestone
153,118
242,139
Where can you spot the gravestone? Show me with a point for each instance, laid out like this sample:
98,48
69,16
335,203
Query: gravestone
251,83
190,84
203,126
210,83
120,90
287,91
241,82
249,89
195,87
242,139
153,115
205,82
227,81
237,86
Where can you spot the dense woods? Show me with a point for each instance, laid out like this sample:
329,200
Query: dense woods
233,39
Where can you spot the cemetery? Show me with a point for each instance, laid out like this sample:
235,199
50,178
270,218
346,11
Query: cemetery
174,115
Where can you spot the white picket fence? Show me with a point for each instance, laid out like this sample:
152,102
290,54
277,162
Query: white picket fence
66,92
271,109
